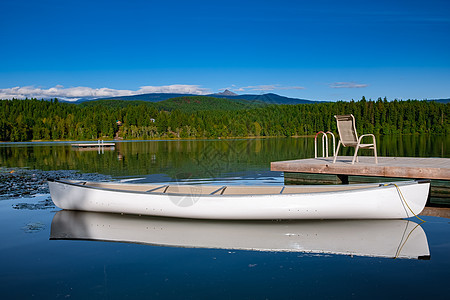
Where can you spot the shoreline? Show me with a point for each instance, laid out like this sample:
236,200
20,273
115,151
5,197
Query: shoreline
156,139
190,139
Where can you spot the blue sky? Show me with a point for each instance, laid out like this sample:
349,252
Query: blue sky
318,50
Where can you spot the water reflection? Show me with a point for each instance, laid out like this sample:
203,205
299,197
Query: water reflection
196,158
379,238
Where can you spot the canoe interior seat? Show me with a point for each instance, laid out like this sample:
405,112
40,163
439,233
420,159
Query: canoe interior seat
318,189
252,190
224,190
261,190
191,189
124,187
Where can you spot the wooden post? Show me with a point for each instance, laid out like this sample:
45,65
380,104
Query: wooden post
343,178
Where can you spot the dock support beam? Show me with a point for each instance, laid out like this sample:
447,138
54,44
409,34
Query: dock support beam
342,178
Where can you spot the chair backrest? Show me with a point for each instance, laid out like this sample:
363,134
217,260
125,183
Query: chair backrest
347,130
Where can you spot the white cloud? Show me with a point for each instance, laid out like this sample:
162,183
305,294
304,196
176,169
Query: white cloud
175,88
75,93
347,85
292,88
263,88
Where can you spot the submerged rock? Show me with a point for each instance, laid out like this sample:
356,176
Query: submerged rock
34,227
18,182
44,204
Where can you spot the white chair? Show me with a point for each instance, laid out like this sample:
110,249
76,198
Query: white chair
349,138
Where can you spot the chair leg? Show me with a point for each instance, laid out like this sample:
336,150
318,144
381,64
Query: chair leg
375,150
355,157
336,154
375,153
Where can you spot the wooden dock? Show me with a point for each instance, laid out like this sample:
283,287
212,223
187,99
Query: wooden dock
401,167
94,145
323,171
100,146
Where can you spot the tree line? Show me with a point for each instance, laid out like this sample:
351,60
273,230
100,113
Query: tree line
32,119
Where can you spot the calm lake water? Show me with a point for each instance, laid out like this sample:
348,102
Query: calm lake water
51,254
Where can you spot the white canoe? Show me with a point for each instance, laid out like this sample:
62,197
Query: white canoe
379,238
367,201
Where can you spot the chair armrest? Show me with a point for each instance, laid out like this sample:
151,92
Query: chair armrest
364,135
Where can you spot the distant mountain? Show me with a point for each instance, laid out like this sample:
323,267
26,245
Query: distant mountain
226,93
153,97
269,98
441,100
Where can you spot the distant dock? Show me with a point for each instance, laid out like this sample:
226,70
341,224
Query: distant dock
94,146
400,167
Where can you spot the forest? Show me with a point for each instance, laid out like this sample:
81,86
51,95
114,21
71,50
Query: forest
206,117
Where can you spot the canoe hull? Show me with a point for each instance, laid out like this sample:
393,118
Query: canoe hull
373,203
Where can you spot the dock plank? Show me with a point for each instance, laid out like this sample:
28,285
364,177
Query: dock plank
402,167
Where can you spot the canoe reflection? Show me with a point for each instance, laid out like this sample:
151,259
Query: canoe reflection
380,238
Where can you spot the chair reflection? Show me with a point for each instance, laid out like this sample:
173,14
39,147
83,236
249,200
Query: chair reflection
376,238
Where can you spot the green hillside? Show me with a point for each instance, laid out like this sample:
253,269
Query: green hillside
206,117
185,104
202,103
112,103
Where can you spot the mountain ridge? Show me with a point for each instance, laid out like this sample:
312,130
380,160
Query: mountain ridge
269,98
